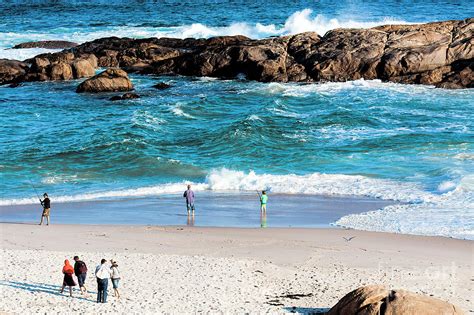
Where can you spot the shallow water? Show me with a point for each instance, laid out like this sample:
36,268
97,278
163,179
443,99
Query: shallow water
212,209
364,138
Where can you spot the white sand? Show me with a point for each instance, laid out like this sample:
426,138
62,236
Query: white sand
188,270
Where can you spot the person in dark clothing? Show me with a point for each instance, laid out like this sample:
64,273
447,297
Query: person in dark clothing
80,270
46,203
189,195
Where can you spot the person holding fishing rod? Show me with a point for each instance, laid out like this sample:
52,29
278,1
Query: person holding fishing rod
46,203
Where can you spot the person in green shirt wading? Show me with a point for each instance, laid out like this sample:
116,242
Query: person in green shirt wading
263,202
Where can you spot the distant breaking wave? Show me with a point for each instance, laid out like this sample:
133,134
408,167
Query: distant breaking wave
298,22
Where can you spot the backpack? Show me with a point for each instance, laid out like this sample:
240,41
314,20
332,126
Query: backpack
82,267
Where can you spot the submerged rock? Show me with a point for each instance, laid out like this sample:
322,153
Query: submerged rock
161,86
126,96
49,44
376,299
110,80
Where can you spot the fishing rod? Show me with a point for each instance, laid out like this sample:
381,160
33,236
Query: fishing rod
36,192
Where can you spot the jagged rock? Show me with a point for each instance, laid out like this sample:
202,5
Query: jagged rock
376,299
161,86
110,80
50,44
126,96
12,71
439,54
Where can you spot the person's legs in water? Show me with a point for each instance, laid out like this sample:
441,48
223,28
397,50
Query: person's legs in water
62,288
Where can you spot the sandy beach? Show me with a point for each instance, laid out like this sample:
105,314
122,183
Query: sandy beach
179,269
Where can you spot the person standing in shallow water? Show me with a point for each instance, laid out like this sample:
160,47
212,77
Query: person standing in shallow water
189,195
263,202
46,203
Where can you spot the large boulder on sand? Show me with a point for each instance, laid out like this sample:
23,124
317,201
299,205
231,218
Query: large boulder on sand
111,80
376,299
12,70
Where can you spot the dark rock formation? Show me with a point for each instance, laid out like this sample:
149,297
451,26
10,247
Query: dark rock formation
50,44
376,299
439,54
111,80
126,96
12,71
161,86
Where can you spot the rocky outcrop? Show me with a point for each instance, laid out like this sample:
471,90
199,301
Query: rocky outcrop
376,299
439,54
12,71
49,44
60,66
111,80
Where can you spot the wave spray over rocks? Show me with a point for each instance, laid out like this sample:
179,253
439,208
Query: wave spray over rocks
438,54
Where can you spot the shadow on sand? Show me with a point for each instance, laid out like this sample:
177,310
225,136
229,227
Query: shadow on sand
44,288
306,310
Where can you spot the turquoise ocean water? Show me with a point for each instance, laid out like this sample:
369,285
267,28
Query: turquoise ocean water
412,144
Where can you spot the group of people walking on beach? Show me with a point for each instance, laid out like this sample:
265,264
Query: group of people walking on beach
103,272
188,195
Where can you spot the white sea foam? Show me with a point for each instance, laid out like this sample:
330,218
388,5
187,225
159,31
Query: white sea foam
178,111
299,21
22,54
450,214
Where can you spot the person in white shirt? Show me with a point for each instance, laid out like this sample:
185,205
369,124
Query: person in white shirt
115,275
102,273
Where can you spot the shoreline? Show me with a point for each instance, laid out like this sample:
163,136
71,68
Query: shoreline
212,210
192,269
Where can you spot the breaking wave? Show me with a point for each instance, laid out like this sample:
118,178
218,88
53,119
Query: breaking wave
300,21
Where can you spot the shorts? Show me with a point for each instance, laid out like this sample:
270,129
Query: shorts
81,279
263,207
46,212
115,283
190,206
